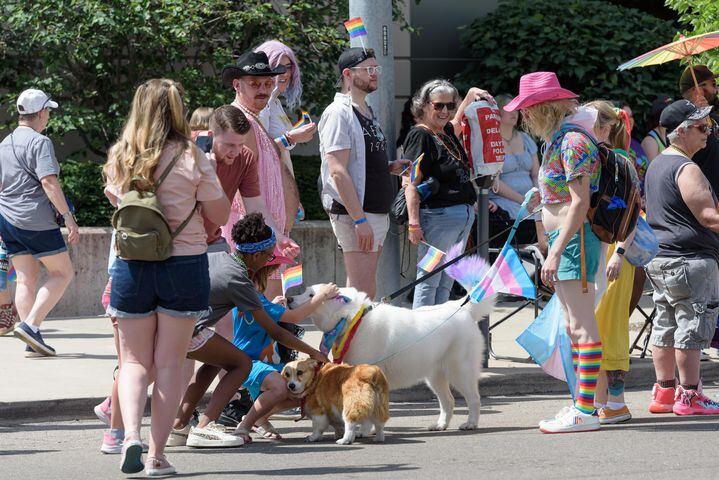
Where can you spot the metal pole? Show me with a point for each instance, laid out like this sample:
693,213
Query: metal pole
482,236
377,18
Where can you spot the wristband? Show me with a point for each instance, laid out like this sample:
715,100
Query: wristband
360,221
286,142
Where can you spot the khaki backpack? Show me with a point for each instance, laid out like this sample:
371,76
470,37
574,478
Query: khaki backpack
142,231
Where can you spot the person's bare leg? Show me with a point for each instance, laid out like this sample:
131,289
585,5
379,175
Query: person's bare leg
28,274
580,310
664,363
274,392
60,273
601,396
137,344
115,410
220,353
361,270
688,365
198,385
172,339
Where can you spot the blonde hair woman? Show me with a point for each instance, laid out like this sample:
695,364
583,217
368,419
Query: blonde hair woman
568,175
157,303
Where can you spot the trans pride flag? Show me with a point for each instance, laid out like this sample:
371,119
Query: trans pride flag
432,258
507,274
547,342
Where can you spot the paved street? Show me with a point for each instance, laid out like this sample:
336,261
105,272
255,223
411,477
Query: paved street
508,445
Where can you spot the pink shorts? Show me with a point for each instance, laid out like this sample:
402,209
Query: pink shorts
198,341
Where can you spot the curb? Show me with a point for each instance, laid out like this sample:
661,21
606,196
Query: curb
494,382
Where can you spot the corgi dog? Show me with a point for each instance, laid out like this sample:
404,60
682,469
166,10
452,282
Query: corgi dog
343,396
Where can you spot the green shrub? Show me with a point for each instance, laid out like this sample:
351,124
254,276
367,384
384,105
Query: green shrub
583,41
82,182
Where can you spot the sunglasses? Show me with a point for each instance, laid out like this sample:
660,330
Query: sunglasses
255,84
703,128
370,70
438,106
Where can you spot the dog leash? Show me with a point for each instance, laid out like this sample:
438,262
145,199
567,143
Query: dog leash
406,288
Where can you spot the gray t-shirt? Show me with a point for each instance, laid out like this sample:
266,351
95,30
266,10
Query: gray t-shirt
230,287
26,157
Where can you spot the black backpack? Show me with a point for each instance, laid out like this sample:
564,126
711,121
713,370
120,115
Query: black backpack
614,207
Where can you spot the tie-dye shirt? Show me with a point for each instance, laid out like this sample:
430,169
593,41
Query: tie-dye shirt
567,157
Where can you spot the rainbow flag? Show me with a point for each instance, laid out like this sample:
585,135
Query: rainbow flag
414,172
506,275
304,120
11,274
432,258
291,277
355,27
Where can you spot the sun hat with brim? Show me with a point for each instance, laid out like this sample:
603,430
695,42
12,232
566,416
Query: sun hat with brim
538,87
255,64
679,111
279,259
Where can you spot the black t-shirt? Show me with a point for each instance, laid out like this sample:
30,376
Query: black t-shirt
708,157
379,194
445,160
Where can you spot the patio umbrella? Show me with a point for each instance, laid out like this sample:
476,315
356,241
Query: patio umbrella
682,48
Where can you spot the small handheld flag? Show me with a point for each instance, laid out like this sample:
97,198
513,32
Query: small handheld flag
304,120
414,173
355,27
291,277
506,275
432,258
11,275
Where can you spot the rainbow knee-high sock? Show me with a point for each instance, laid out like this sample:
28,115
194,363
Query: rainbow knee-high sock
575,357
590,359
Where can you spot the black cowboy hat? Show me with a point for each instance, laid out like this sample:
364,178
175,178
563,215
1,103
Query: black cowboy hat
250,63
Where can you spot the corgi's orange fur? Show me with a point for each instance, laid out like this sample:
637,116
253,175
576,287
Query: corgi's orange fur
344,396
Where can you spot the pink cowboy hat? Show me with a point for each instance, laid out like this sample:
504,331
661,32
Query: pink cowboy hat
538,87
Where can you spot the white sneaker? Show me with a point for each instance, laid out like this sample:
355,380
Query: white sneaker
178,437
572,420
212,436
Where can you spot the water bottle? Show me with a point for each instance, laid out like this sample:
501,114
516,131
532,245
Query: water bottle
4,267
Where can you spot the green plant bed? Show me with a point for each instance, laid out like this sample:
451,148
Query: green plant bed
82,182
583,41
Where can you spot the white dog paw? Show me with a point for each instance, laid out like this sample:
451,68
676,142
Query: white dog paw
468,426
439,426
343,441
312,438
378,438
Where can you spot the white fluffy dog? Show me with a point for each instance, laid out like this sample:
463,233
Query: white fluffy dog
441,345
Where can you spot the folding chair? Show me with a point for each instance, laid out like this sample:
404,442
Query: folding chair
648,325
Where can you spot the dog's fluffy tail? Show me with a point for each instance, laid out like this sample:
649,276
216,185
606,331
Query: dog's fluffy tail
468,271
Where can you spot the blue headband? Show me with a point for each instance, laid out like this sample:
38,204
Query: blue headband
254,247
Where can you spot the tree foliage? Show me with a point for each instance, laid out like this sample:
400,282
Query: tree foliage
583,41
91,54
699,16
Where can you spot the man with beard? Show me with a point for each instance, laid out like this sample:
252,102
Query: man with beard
706,95
356,184
252,79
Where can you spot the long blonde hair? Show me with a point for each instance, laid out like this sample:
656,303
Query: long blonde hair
156,117
261,276
616,119
543,119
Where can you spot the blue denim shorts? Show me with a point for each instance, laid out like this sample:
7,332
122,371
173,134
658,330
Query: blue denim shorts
178,286
41,243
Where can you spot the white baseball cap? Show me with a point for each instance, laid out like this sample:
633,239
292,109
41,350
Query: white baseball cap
33,100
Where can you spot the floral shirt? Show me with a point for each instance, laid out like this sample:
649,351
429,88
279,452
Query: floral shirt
567,157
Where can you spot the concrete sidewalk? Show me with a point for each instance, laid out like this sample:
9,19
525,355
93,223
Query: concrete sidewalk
69,385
